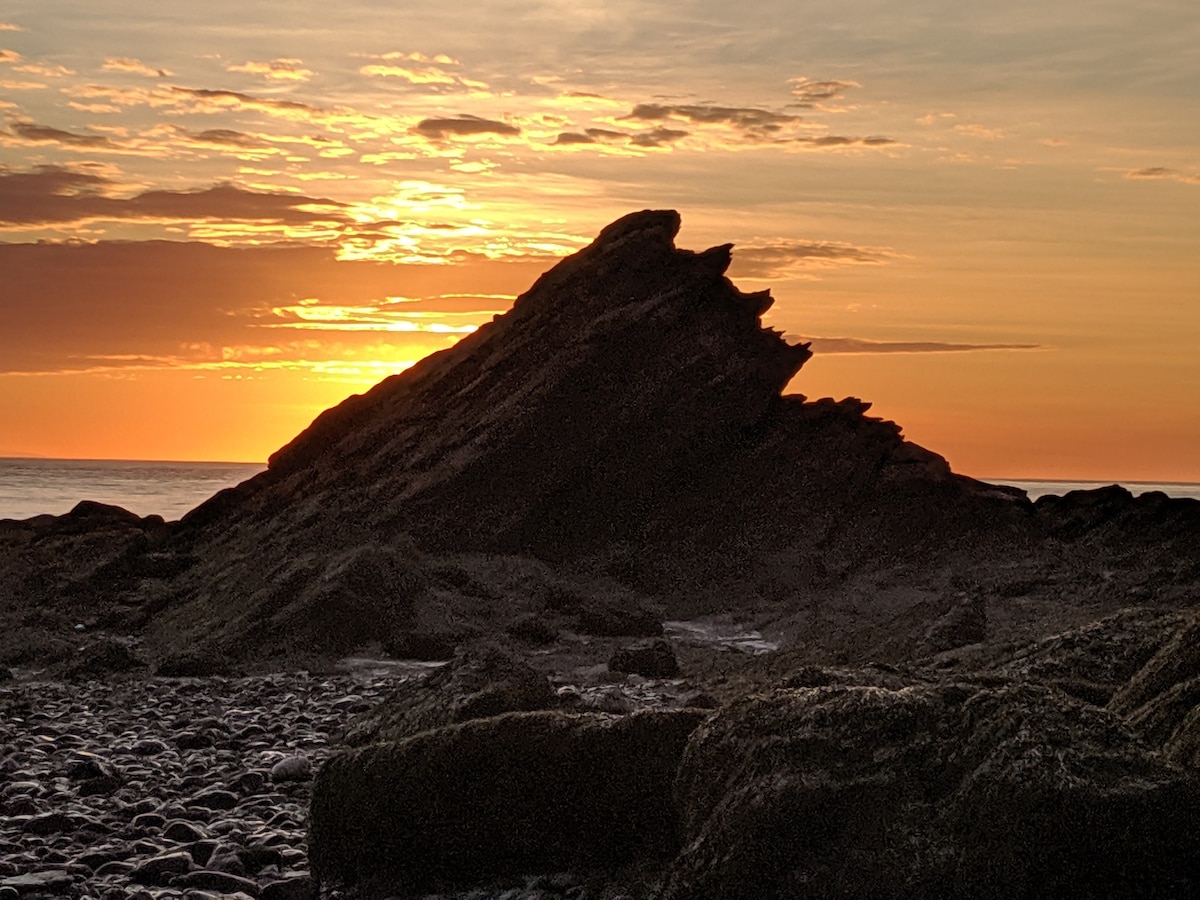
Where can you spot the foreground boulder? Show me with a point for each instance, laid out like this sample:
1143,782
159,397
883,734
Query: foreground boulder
509,795
1017,791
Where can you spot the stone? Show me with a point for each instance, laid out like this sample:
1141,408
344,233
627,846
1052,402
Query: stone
213,798
206,879
182,832
50,880
505,795
292,768
161,869
934,791
652,659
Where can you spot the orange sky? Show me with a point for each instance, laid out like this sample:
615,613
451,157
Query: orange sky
218,219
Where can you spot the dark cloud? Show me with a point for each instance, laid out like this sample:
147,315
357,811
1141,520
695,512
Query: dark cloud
225,137
812,93
743,117
240,99
55,195
1162,173
440,129
659,137
44,134
116,304
571,137
837,140
779,257
859,345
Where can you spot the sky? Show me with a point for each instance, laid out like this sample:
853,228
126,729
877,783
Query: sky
218,219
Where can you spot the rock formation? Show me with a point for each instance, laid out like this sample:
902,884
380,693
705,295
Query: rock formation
624,419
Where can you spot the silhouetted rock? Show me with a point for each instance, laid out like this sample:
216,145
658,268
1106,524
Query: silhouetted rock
509,795
1017,791
624,417
480,682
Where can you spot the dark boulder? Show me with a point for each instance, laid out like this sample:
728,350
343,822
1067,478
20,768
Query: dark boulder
504,796
481,681
1016,791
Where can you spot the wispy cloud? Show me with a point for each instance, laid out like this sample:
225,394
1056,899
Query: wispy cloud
462,126
133,67
275,70
811,94
1162,173
787,258
56,195
860,345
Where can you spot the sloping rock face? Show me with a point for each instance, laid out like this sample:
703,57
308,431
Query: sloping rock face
625,416
509,795
937,791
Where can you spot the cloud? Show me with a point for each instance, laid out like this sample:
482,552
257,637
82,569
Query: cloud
9,26
46,70
658,137
10,56
117,306
416,56
1161,173
42,134
860,345
57,195
460,126
275,70
810,93
784,258
836,140
746,118
133,67
974,129
211,101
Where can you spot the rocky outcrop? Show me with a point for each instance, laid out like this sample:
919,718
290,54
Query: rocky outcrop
1016,791
509,795
480,682
625,418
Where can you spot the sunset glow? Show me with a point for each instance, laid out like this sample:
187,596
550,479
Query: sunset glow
217,220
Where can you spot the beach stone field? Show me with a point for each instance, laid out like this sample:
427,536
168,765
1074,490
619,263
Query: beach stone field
196,787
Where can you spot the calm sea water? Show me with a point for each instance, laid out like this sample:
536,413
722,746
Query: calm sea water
1041,487
30,487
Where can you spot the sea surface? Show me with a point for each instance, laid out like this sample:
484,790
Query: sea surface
31,487
1039,487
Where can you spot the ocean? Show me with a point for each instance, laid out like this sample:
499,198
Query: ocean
31,487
